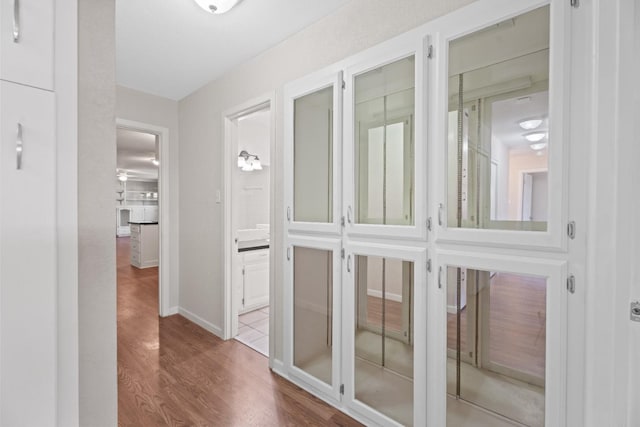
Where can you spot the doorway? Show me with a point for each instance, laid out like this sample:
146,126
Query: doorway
142,204
248,199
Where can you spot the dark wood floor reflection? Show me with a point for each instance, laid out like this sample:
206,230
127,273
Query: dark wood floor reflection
171,372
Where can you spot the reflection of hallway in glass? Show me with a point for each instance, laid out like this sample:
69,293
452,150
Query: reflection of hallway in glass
383,337
502,344
517,322
501,394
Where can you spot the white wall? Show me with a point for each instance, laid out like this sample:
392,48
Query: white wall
96,245
358,25
253,188
161,112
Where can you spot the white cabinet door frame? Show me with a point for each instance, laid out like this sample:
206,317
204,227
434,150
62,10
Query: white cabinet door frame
456,25
394,50
419,258
307,381
293,91
556,331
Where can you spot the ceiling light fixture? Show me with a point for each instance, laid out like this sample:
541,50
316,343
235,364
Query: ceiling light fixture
530,124
534,136
217,6
538,146
249,162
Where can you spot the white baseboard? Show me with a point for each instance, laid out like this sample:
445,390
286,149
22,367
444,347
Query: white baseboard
389,296
215,330
172,310
277,366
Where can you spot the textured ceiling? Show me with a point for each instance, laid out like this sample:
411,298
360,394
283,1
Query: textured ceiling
171,48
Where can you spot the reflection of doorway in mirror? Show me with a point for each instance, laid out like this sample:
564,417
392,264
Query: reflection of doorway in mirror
533,195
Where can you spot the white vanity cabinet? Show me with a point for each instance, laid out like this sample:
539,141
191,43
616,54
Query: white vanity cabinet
255,279
26,42
28,285
144,245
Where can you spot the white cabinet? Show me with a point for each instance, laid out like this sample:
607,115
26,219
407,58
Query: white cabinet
150,213
143,213
144,245
26,42
28,285
255,279
137,214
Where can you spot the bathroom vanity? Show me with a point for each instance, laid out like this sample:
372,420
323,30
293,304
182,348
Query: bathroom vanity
253,263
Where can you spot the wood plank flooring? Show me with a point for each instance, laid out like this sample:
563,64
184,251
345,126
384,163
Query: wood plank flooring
171,372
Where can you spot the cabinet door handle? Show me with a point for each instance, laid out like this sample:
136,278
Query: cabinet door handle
440,209
349,264
349,214
19,146
16,21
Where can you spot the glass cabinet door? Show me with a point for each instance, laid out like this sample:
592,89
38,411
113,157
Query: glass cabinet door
312,321
385,149
313,111
385,367
498,119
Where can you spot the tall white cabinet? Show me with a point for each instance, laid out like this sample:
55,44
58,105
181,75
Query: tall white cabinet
28,285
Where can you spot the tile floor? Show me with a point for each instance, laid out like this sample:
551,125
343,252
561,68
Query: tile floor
253,330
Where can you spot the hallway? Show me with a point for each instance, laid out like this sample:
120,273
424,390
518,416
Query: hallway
172,372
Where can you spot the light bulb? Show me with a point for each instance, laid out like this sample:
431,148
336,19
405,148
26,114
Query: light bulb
155,162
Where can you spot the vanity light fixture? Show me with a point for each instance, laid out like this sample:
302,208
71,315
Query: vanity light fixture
217,6
530,124
534,136
248,162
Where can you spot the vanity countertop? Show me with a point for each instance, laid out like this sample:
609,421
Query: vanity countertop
253,245
143,222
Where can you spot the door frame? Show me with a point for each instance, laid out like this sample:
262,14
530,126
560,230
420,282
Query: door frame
164,203
229,137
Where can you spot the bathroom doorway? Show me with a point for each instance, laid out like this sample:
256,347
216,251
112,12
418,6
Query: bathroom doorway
248,196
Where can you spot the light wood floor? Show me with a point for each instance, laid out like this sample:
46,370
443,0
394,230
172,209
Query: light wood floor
171,372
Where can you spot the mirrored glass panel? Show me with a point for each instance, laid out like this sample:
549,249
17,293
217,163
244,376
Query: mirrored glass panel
313,311
496,335
498,126
313,157
384,336
384,144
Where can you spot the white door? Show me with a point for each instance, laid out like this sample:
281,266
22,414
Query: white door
27,256
26,42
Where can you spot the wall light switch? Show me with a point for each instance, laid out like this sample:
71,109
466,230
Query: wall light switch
635,311
218,197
